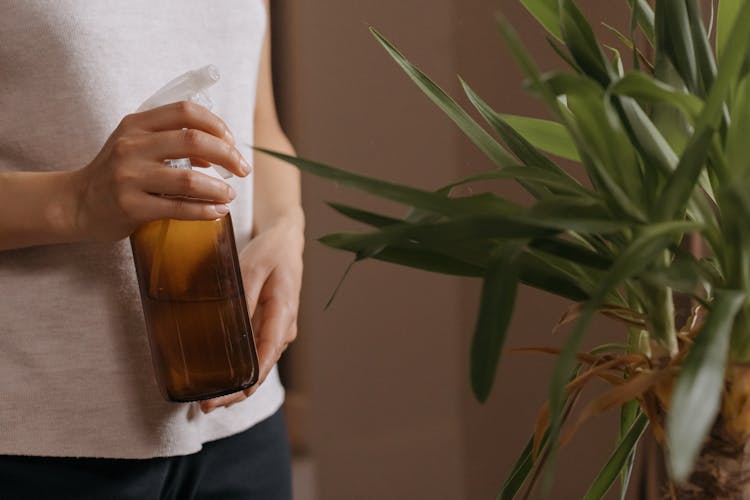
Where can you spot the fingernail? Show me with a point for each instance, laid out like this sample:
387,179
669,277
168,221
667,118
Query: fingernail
246,168
231,192
221,209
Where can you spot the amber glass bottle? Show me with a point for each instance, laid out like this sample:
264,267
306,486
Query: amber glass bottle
194,304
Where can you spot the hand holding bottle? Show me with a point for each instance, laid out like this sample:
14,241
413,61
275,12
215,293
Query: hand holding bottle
124,185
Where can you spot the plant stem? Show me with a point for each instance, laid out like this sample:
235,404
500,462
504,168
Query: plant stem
660,308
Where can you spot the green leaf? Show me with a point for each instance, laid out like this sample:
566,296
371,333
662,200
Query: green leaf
738,145
473,131
703,53
495,311
629,413
680,42
684,274
728,12
480,204
560,51
644,16
538,272
470,259
456,230
697,394
610,158
545,11
518,144
571,251
520,470
558,183
644,88
467,228
418,258
618,460
359,215
525,461
711,115
549,136
634,259
527,65
582,43
728,74
682,183
527,176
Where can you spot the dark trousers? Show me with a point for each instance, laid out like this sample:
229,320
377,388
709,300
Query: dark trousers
254,464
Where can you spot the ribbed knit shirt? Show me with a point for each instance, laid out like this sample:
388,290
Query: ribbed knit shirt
76,377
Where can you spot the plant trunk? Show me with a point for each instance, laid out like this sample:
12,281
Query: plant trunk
722,471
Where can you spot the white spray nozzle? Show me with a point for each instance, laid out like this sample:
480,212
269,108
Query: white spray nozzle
191,86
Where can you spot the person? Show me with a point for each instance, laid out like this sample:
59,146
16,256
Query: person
82,416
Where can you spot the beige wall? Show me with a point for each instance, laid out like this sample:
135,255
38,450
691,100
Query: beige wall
385,370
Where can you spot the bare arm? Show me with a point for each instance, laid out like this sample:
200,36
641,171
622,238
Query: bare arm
36,208
277,184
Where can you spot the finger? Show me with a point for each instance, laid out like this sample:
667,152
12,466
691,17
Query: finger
197,162
193,143
171,181
146,207
291,335
210,405
255,277
179,115
273,336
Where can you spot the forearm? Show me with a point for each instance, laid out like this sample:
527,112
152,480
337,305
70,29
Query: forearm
277,192
36,208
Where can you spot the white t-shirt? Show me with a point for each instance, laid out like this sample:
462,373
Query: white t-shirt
76,377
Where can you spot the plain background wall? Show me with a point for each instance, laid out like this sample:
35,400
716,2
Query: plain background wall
380,379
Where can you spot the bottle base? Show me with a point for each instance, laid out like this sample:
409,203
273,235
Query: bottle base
203,397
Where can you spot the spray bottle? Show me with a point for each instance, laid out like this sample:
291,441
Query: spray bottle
191,287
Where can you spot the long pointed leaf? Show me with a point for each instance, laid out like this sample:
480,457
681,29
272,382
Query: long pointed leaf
473,131
538,272
682,182
680,43
644,16
546,135
571,251
520,470
545,11
518,142
495,311
427,200
703,53
369,218
738,145
728,12
426,260
617,461
629,413
697,394
647,89
527,65
580,39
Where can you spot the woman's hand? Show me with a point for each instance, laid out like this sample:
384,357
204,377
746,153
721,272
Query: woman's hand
122,187
272,274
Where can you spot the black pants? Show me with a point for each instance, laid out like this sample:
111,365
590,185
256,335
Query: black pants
254,464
